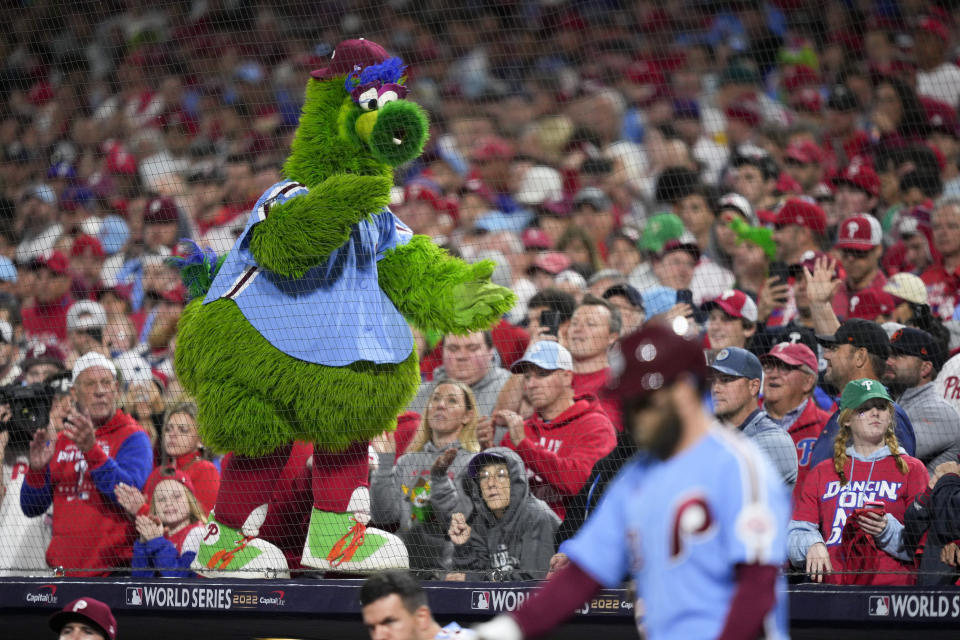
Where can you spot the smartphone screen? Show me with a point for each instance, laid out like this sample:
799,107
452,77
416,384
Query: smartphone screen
550,320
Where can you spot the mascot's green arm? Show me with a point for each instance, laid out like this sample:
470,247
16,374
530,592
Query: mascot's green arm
436,291
303,231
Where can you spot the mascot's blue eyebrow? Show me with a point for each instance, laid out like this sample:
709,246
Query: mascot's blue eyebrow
389,71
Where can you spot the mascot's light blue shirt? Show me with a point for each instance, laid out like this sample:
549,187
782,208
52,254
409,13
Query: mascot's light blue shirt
336,314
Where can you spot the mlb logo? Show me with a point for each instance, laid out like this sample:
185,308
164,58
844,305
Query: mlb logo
480,600
135,596
879,605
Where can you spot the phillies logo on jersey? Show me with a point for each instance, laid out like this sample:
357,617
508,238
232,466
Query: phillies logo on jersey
692,520
804,449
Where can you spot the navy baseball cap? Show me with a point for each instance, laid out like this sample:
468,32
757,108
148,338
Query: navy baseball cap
633,296
738,362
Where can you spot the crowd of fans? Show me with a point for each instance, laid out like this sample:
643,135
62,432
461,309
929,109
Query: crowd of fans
781,177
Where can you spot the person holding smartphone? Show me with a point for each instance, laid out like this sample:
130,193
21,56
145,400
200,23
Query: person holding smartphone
847,525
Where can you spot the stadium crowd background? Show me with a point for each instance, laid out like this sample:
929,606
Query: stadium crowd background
761,169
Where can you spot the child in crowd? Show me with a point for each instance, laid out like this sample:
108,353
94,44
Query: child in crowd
170,532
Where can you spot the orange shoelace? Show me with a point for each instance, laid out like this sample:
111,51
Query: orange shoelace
340,553
222,559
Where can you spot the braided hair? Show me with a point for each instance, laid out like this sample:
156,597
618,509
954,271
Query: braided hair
845,437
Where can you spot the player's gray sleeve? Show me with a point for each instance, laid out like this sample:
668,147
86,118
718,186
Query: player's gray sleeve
386,496
936,425
891,539
801,535
778,446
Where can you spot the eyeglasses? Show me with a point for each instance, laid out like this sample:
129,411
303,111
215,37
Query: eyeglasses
499,475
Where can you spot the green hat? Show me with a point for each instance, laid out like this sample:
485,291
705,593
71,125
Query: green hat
859,391
660,229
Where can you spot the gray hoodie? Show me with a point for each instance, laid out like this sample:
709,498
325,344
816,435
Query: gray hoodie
517,546
485,390
408,493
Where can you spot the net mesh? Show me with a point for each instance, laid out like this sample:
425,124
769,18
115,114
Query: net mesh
314,311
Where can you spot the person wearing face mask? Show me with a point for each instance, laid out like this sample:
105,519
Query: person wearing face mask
847,524
418,491
509,535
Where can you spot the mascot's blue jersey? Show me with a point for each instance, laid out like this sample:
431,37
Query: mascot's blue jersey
680,527
336,314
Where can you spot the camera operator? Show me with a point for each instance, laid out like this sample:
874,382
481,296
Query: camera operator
25,539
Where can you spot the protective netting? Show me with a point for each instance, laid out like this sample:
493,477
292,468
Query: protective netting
253,289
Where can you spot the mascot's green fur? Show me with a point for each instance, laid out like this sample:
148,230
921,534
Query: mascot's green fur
255,399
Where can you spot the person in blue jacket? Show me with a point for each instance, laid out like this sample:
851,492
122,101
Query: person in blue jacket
170,532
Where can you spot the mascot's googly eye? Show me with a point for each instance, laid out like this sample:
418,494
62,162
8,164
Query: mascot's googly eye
368,99
387,96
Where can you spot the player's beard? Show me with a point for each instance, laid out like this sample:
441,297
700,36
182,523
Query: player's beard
665,436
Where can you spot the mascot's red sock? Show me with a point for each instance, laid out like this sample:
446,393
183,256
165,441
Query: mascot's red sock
339,539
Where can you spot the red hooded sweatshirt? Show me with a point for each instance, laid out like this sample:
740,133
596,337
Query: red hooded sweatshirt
91,532
561,453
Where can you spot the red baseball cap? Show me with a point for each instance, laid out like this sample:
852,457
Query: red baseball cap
802,213
161,210
747,113
121,161
85,244
934,26
160,474
796,354
870,303
651,359
942,117
349,54
55,261
419,190
807,99
87,610
492,148
535,238
552,262
860,176
176,295
861,232
804,152
736,303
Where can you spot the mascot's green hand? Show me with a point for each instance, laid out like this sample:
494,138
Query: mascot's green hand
479,304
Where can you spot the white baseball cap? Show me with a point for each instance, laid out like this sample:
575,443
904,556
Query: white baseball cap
86,314
547,355
92,359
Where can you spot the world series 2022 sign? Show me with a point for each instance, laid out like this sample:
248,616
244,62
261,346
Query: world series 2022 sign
499,600
914,606
161,597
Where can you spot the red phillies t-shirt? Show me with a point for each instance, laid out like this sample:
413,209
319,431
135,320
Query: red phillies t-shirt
942,289
592,383
826,503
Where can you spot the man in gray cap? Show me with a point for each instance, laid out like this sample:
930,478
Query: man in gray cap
736,384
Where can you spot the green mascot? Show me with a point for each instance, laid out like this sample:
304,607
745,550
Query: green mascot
300,334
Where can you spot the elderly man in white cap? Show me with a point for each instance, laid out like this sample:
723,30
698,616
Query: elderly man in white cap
78,470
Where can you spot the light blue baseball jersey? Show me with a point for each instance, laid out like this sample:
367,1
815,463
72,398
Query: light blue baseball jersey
680,527
336,314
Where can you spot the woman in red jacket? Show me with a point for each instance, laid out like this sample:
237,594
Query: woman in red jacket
847,522
181,449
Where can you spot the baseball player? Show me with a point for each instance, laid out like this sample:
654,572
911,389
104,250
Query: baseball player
395,607
698,518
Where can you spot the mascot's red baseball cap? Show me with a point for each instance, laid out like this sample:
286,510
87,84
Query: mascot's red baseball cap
651,359
347,55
